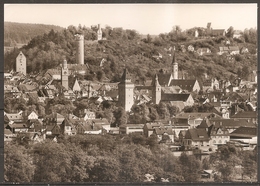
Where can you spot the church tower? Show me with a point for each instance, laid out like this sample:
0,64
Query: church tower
65,75
174,68
79,49
21,63
126,91
99,33
156,91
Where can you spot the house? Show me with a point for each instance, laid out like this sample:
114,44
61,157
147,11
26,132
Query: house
67,127
35,125
33,115
164,134
17,127
14,117
176,99
34,137
53,130
8,135
247,115
203,51
131,128
196,138
179,126
86,128
219,135
218,32
207,174
103,122
245,135
233,50
243,50
149,128
54,118
89,115
194,119
223,50
237,33
230,124
190,48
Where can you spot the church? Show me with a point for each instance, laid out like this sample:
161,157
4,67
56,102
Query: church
165,87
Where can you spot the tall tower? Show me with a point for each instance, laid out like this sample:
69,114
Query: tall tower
21,63
156,91
99,33
174,68
126,91
65,75
79,49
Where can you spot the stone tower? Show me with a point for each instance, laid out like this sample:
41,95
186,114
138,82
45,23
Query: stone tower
174,68
65,75
156,91
79,49
21,63
99,33
126,91
209,28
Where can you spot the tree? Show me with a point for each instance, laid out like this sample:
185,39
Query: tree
190,167
120,116
230,32
18,164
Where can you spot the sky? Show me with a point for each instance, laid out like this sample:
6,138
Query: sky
145,18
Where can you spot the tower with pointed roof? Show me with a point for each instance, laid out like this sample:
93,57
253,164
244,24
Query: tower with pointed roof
126,91
174,68
156,91
65,75
21,63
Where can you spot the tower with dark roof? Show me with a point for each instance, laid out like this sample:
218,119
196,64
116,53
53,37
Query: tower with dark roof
174,67
126,91
65,75
156,91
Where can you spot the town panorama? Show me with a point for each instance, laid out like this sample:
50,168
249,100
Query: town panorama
105,104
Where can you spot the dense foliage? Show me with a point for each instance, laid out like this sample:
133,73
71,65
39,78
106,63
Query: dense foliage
22,33
126,48
121,158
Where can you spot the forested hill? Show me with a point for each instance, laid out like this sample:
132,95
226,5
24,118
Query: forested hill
23,32
142,56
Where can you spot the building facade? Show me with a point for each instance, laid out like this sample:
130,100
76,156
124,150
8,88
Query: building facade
21,63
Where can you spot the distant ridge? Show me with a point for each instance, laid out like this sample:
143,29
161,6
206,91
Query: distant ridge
22,33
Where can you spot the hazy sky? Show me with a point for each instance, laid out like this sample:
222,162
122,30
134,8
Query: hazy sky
145,18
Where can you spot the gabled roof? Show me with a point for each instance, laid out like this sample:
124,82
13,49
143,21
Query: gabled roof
185,84
245,114
194,115
151,126
175,97
161,131
231,123
197,135
244,132
26,88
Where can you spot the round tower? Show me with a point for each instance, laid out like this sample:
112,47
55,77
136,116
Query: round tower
79,49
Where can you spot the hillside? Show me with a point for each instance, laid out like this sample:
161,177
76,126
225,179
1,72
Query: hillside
126,48
22,33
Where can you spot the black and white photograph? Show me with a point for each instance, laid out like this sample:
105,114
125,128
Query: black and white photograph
130,93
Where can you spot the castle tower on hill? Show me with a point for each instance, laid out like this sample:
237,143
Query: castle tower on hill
156,91
65,75
99,33
126,91
21,63
174,68
79,49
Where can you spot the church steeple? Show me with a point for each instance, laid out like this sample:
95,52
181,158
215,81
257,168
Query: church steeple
174,67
